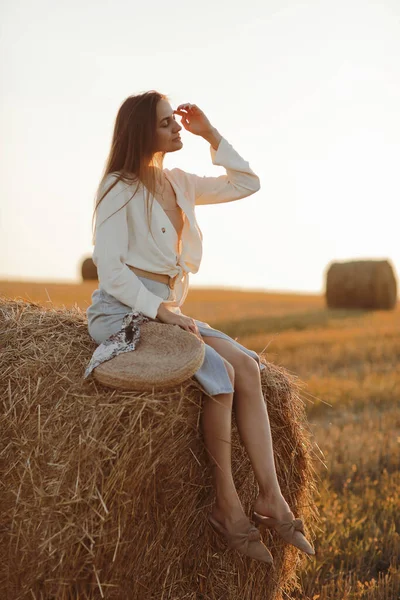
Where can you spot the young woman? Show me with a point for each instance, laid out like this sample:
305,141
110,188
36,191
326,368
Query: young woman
146,242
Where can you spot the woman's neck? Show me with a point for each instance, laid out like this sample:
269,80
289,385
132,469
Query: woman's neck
158,172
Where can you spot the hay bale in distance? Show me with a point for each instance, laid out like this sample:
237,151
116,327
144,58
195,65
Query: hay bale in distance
368,284
89,270
105,493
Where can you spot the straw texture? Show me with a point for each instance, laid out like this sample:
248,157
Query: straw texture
368,284
105,493
165,356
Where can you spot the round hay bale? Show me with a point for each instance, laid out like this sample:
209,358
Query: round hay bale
105,493
368,284
89,270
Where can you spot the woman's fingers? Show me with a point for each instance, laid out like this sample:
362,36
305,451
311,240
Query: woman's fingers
193,329
196,330
186,107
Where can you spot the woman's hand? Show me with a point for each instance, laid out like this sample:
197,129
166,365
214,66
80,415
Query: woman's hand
193,119
167,316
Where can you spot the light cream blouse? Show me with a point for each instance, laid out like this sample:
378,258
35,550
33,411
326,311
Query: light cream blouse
124,238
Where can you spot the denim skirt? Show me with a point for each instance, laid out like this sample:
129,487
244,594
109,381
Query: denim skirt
105,316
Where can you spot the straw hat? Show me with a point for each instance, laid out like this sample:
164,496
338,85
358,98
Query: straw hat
166,355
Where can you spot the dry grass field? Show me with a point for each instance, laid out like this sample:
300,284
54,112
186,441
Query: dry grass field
350,364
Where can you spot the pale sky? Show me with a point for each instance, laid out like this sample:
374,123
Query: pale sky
307,92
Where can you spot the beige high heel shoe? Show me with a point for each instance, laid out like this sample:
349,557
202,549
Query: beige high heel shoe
287,528
244,537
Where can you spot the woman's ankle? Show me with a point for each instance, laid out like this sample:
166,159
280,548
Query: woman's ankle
229,506
272,504
271,496
228,516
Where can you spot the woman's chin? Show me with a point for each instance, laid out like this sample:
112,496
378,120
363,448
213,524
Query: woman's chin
176,144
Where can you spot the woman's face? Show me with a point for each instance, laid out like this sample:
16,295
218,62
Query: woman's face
168,128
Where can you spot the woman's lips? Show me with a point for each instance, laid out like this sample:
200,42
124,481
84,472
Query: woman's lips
177,138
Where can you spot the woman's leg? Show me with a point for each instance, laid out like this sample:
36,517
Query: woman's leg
253,426
216,422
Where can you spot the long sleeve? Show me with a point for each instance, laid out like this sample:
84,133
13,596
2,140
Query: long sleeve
110,251
240,180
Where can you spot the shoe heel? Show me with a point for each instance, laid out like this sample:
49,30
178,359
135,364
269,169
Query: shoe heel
236,540
270,523
264,521
221,541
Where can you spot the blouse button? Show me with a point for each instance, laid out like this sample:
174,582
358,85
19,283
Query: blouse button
163,229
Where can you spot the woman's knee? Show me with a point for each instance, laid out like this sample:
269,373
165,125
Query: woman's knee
246,365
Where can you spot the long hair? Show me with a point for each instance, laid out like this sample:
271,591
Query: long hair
132,155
